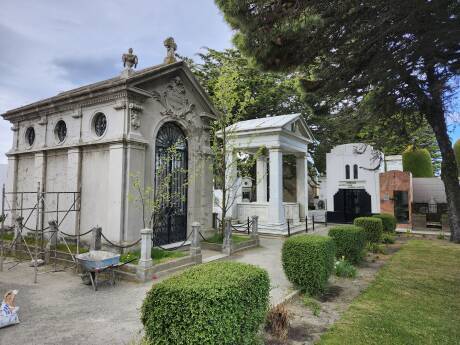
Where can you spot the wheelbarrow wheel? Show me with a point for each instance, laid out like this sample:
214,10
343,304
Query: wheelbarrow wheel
86,279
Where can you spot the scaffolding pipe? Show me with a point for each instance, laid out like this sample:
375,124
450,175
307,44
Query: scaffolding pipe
37,224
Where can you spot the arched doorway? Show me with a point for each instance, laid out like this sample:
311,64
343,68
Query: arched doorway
171,183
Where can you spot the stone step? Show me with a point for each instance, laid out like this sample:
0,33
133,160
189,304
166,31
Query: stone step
216,258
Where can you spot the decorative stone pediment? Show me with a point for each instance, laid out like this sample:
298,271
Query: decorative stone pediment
174,99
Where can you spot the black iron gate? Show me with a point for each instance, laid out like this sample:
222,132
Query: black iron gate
171,174
349,204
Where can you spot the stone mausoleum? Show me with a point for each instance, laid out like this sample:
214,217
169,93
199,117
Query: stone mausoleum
92,139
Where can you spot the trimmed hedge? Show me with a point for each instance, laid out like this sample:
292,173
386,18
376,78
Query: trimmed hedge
373,228
418,162
308,260
350,241
220,303
388,220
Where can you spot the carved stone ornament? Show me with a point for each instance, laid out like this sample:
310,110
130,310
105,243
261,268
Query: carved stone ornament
43,120
174,99
15,127
120,105
129,59
77,114
134,115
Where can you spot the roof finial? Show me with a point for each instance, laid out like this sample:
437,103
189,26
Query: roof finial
171,47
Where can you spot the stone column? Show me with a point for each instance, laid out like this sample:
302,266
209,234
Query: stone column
195,248
276,208
11,186
145,261
261,180
96,237
40,178
17,231
52,240
115,175
255,228
72,223
302,184
227,241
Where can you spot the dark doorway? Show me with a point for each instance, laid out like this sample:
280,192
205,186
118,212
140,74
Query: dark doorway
349,204
401,206
173,170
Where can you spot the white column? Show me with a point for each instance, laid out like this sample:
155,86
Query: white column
71,223
276,209
261,171
40,177
40,169
11,186
302,184
115,193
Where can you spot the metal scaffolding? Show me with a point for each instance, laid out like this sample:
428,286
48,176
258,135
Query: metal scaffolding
20,208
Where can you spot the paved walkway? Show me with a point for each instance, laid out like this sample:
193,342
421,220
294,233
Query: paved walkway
61,310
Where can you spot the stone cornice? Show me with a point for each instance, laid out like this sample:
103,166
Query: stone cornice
63,105
123,140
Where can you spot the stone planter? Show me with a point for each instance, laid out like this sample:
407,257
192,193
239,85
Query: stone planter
235,248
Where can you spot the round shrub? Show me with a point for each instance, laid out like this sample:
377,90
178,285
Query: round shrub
350,241
308,260
373,228
220,303
388,220
418,162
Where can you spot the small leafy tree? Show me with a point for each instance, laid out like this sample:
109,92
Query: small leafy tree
158,200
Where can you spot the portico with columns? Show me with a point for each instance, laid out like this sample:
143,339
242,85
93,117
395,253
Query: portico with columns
278,136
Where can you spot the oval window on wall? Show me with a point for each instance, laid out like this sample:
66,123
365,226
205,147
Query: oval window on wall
30,136
100,124
60,131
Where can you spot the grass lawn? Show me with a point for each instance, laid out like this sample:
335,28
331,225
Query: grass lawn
415,299
61,247
158,255
218,238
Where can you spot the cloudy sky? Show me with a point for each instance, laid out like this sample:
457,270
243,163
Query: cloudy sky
49,46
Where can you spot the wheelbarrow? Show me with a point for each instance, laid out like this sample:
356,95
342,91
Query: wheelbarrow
95,262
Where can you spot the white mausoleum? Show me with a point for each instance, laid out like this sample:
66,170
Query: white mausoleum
351,187
92,139
279,136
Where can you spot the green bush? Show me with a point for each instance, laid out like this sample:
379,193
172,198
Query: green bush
388,238
308,260
345,269
418,162
388,220
350,240
217,303
376,248
373,228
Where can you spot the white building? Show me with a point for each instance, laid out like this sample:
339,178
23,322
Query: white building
352,182
279,136
90,140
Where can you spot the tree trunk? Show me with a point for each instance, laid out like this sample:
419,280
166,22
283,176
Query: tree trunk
449,171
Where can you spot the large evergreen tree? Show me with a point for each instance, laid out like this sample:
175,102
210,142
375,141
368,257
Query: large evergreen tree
393,57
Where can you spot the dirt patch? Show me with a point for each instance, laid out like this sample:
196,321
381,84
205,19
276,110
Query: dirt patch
306,328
